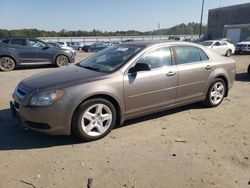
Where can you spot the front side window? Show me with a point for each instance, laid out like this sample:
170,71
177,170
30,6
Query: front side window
187,54
19,42
37,43
110,59
157,58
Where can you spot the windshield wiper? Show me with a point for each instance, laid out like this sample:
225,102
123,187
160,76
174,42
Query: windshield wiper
92,68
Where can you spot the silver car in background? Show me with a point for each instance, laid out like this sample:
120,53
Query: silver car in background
119,83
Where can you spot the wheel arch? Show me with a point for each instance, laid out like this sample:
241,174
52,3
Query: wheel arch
106,97
55,57
14,59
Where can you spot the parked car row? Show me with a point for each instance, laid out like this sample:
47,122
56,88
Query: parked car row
98,46
25,50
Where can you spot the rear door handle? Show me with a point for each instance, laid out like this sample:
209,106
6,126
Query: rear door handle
208,67
171,73
12,48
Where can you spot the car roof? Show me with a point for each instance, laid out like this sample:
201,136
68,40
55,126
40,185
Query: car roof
148,43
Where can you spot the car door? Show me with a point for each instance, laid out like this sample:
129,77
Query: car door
18,47
40,51
147,91
219,48
195,72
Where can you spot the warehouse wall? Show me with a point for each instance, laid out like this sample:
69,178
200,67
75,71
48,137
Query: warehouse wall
239,14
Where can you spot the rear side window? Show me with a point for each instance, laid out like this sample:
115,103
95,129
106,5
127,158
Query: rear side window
203,55
6,41
187,54
20,42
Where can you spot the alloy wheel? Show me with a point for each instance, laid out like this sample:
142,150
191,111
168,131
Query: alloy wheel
96,120
62,60
217,93
7,64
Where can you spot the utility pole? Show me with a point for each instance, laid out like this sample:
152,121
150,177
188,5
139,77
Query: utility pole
159,27
202,9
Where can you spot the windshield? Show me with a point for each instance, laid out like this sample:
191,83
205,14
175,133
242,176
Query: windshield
206,43
110,59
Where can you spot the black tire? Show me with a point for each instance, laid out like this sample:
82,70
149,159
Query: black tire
61,60
248,70
208,101
229,53
7,64
77,119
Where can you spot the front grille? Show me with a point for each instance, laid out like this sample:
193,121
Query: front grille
20,93
16,105
241,46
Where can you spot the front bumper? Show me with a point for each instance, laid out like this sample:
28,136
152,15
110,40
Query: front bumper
239,50
52,119
72,59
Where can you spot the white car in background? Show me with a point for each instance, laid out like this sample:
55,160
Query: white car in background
65,46
220,46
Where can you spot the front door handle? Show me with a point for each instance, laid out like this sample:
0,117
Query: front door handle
208,67
171,73
12,48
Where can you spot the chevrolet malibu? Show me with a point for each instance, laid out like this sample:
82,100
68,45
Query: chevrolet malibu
120,83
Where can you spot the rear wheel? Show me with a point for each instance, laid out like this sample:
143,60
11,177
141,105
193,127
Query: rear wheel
94,119
216,93
7,64
248,70
229,53
62,60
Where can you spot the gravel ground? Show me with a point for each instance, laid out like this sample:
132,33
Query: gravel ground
191,146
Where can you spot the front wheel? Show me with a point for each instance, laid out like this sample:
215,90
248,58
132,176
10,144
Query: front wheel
94,119
216,93
62,60
229,53
7,64
248,70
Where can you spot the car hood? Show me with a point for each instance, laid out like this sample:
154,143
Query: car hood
61,78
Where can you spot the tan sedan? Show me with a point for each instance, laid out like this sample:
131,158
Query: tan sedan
119,83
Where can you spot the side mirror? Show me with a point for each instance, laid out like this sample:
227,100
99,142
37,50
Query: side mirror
140,67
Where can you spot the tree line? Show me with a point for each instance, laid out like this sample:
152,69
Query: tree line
181,29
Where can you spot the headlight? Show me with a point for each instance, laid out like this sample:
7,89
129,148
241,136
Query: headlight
46,98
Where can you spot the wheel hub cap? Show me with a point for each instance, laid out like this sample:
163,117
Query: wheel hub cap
217,93
96,120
